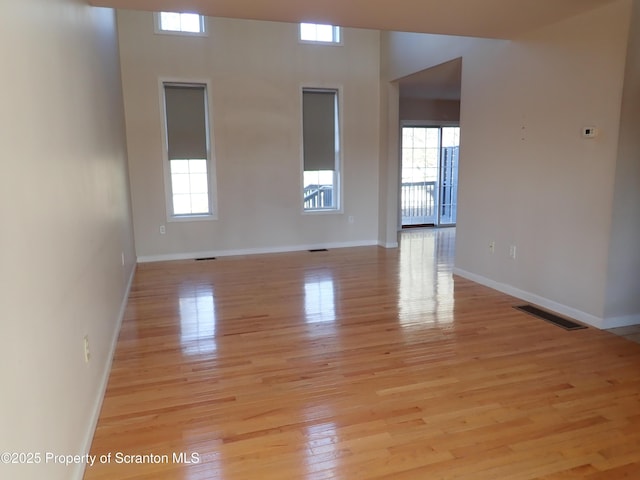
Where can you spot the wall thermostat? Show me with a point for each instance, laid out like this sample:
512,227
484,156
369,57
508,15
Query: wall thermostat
589,132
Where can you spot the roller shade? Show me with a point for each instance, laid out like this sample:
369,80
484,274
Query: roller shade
186,121
319,130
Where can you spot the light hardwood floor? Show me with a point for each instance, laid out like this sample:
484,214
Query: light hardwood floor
630,333
357,364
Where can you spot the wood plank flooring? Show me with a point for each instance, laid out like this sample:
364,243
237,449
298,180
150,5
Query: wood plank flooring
356,364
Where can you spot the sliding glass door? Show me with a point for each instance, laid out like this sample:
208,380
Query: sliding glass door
429,185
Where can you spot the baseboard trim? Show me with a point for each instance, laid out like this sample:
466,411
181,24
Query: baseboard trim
552,305
252,251
80,467
388,244
623,321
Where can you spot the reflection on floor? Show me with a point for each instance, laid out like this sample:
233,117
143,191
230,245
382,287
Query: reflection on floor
426,284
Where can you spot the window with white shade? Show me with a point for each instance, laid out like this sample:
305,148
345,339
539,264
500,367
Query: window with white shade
187,147
180,23
321,149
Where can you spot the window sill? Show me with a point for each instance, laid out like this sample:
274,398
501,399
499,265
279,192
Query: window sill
320,42
324,211
180,33
192,218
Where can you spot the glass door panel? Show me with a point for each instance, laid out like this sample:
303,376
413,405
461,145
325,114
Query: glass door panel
420,158
448,198
429,185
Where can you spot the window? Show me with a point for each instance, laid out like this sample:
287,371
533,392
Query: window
187,146
187,23
314,32
321,149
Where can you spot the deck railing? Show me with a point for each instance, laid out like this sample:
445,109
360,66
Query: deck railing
317,197
418,202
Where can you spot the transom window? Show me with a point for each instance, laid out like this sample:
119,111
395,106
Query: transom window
315,32
174,22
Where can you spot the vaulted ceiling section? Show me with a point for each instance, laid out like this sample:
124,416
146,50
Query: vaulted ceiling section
503,19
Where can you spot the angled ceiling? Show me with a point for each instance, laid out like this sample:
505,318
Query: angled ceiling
441,82
477,18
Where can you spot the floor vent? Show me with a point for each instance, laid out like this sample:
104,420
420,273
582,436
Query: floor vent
550,317
318,250
419,225
203,259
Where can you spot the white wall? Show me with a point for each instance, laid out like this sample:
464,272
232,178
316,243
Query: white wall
256,70
432,110
65,208
622,300
527,178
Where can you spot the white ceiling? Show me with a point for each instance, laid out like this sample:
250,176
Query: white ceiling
479,18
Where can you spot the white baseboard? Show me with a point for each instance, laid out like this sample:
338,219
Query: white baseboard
97,407
252,251
624,321
552,305
388,244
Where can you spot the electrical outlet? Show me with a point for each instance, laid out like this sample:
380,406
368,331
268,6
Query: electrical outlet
492,246
163,230
122,256
512,252
351,219
589,132
87,353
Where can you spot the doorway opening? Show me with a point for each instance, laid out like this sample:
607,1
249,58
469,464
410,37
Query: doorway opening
429,185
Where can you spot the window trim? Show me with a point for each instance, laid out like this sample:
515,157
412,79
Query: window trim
338,175
211,158
337,30
158,30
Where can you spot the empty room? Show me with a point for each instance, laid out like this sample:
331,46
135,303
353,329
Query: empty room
320,240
